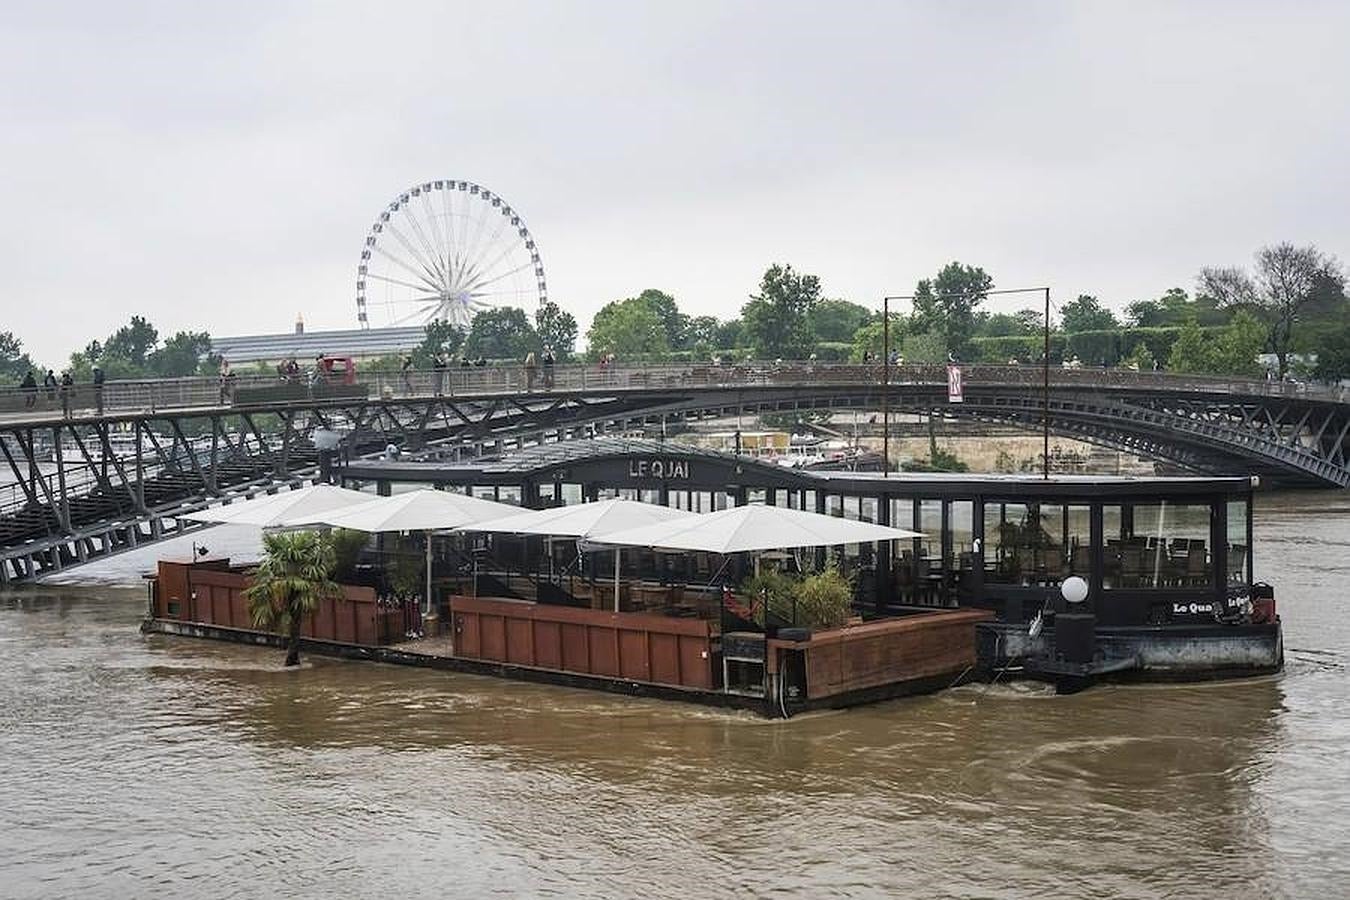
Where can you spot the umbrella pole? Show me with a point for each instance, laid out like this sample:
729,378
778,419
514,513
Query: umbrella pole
617,552
428,595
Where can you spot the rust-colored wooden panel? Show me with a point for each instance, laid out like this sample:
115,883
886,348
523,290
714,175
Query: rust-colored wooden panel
467,643
519,641
173,588
367,618
889,652
493,637
548,651
695,662
604,646
665,658
576,651
633,660
239,615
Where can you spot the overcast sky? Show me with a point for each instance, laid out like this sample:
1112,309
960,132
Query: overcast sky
219,169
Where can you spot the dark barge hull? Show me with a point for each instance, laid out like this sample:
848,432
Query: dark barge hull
1158,652
764,706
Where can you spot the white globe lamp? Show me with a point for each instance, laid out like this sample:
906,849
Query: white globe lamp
1074,590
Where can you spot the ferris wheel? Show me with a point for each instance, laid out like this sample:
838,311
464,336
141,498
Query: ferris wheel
446,250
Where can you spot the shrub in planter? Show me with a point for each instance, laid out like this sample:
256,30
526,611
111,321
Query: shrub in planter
769,590
824,600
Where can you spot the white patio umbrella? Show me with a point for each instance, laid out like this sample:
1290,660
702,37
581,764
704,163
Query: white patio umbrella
421,510
302,506
754,527
586,520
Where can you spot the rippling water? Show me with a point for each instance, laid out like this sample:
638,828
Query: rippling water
153,766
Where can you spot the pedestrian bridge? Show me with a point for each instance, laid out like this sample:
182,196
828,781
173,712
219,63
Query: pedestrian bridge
122,467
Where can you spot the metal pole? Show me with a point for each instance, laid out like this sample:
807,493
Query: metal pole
885,387
428,599
617,552
1045,394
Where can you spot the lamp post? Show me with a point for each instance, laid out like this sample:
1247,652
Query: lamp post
886,370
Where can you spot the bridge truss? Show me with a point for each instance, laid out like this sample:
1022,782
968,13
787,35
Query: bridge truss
95,484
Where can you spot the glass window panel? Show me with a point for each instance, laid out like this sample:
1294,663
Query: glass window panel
852,507
961,524
868,509
930,523
902,513
755,495
509,493
1078,543
834,505
571,494
1159,545
1239,554
649,496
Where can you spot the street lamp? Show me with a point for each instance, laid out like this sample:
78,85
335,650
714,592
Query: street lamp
886,371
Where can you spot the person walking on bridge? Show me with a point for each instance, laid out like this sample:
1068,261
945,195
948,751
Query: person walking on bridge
67,383
49,382
98,390
531,368
405,373
440,364
29,387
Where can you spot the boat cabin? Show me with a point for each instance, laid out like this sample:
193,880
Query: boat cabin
1153,551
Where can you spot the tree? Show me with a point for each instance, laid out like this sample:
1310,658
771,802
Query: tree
673,321
1287,279
438,336
946,304
296,574
730,335
836,321
628,328
501,333
180,355
1141,358
1005,324
557,330
1191,352
701,334
1333,353
132,343
1236,350
1086,313
923,348
870,337
776,318
14,363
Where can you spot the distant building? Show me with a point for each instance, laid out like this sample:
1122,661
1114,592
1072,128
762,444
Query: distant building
360,343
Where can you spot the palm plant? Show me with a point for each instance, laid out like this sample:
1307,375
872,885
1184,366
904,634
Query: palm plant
295,575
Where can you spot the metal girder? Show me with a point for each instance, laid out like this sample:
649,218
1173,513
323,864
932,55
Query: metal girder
1290,438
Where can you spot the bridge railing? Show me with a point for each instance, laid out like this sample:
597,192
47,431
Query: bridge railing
152,396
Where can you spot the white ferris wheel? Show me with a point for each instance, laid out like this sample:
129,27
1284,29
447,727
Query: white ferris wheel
446,250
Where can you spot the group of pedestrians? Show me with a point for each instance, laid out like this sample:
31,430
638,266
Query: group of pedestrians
62,389
532,367
441,364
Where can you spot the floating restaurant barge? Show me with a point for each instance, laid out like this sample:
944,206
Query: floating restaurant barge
1166,562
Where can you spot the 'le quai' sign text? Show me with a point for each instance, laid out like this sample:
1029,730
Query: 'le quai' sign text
658,468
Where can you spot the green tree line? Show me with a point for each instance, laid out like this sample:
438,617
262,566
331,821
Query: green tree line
1291,304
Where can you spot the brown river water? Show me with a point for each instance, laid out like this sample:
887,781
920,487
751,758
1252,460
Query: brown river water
135,766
